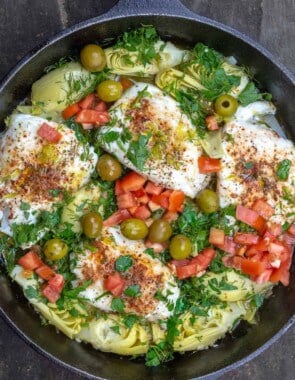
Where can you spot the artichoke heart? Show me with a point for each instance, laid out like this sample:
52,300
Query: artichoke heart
172,80
125,62
61,87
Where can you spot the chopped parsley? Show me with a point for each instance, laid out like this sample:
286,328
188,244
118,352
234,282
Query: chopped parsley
159,353
132,291
31,292
193,108
283,170
142,41
116,329
251,94
129,320
218,83
138,151
123,263
118,305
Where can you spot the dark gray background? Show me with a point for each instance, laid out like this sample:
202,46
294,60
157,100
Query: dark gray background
26,23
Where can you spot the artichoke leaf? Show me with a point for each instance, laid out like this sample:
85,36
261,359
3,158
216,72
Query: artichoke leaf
61,87
172,80
212,144
124,62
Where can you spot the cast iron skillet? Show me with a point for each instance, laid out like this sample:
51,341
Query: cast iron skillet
171,18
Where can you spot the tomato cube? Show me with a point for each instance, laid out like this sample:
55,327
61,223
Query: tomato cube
132,182
49,133
216,236
30,261
250,217
126,200
51,294
45,272
116,218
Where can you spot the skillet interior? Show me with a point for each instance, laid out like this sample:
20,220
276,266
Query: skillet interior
277,311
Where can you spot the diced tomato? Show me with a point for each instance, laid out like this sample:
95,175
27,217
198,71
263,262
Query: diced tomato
157,247
118,188
132,182
237,262
132,210
116,218
51,294
263,208
288,238
251,267
204,259
30,261
186,271
92,117
250,217
153,206
273,229
216,236
180,263
144,199
170,216
278,251
139,193
125,82
57,282
45,272
100,106
261,246
126,200
263,277
142,212
282,274
71,111
49,133
241,250
264,258
176,200
246,238
115,284
87,102
161,200
153,189
211,123
229,246
209,165
291,229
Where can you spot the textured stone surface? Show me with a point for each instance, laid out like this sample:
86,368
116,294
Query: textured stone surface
26,23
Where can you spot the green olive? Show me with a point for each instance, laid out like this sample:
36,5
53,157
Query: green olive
180,247
55,249
207,201
134,229
225,105
160,231
109,90
93,58
108,167
91,224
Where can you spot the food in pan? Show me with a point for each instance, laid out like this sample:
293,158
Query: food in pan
146,198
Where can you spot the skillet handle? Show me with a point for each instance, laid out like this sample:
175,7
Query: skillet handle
137,7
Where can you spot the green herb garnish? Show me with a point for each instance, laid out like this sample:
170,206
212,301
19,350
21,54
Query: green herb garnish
123,263
283,170
132,291
138,151
118,305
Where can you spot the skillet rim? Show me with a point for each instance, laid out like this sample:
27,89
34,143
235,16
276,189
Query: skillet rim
183,15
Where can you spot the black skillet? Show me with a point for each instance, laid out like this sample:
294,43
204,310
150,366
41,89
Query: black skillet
172,20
